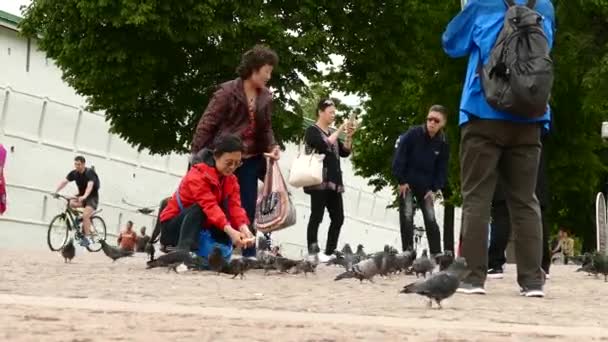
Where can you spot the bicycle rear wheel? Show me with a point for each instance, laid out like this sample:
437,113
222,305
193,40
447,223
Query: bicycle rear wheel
98,232
57,234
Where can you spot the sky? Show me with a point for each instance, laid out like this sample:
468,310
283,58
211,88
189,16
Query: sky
12,6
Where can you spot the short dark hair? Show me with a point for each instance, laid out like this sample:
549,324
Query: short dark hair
324,104
227,144
80,159
256,58
130,223
439,109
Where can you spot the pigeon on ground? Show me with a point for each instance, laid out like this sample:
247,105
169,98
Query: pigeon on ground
283,264
263,244
389,261
347,249
442,285
600,264
365,269
360,253
216,260
150,250
172,259
113,252
305,266
68,251
404,260
444,260
238,267
423,265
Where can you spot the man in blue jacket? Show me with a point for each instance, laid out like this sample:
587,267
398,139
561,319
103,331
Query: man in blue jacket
494,144
420,165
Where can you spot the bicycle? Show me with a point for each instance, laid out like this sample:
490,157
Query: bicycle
72,219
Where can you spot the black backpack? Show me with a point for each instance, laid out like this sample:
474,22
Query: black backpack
519,74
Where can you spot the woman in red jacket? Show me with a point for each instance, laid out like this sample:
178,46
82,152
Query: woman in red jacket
208,197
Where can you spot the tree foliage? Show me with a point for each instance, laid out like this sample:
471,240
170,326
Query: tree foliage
151,65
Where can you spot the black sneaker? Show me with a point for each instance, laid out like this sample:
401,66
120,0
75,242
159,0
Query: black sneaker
495,273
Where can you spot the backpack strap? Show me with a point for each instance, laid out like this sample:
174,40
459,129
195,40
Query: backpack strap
531,4
509,3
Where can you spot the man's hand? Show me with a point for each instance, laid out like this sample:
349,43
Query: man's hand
403,189
81,199
430,195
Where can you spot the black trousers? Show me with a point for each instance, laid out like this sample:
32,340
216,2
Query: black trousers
319,200
501,233
183,231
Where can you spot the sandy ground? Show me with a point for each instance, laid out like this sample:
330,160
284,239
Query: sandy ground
93,299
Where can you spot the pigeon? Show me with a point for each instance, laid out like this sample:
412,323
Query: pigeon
305,266
68,251
365,269
444,260
581,259
442,285
389,258
283,264
113,252
150,250
360,253
172,259
263,244
423,265
600,264
216,260
346,249
404,260
238,267
145,211
310,263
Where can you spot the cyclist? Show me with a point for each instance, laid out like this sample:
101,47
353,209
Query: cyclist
87,182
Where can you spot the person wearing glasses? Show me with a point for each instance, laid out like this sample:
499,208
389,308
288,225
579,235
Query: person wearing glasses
208,198
420,165
322,139
243,107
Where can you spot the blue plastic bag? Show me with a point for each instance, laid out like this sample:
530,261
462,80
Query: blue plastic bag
206,243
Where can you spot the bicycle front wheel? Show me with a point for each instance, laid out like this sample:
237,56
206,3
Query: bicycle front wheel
98,232
57,234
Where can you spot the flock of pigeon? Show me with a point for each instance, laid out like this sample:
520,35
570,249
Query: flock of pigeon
357,265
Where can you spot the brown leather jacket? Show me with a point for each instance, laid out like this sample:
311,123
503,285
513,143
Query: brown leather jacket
228,113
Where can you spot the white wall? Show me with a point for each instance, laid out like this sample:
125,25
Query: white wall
42,121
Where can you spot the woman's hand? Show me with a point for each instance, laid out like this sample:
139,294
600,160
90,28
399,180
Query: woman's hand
249,240
235,236
275,153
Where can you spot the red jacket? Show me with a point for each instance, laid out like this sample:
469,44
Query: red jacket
203,185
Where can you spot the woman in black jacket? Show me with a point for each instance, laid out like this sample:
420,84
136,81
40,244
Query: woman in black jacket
322,139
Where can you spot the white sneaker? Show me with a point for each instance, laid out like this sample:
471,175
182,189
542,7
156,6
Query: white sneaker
532,293
324,258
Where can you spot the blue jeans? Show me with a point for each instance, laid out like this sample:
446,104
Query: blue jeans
248,175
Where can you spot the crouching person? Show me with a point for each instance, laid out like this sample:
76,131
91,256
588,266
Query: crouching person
206,208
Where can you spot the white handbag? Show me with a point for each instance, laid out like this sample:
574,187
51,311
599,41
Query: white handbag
306,169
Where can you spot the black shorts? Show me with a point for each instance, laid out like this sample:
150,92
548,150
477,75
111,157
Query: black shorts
92,201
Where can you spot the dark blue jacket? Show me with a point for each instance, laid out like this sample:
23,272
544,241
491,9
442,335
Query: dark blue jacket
421,161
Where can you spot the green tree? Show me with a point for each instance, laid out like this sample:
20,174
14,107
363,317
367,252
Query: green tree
151,65
393,55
